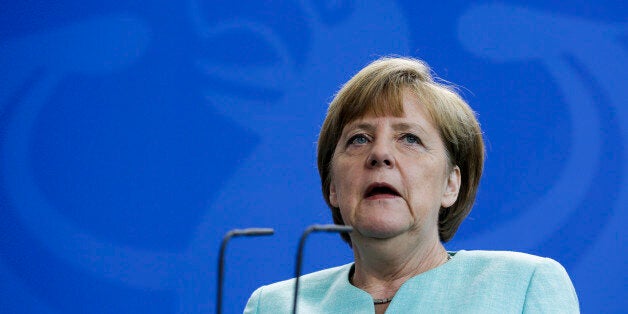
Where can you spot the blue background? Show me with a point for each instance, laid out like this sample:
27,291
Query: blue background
133,135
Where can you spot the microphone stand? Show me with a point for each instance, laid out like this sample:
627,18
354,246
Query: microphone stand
221,256
310,229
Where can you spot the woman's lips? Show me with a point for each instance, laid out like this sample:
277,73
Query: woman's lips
381,196
380,190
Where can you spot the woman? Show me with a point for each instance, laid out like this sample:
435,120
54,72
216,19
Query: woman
400,158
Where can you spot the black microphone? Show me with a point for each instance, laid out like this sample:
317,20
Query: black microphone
310,229
221,256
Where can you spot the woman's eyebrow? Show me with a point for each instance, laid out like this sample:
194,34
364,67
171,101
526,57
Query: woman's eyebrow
362,126
404,126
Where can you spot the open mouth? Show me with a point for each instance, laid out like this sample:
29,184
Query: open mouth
377,190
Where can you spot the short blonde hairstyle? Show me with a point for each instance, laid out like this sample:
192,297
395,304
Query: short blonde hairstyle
376,90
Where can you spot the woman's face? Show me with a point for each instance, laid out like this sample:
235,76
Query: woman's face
390,176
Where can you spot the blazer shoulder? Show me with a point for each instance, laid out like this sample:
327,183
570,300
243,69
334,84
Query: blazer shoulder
522,265
283,291
507,257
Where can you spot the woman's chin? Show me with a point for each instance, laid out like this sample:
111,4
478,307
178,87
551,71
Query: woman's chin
382,228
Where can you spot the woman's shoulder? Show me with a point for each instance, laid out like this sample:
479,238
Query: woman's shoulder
321,277
509,266
506,256
534,283
320,280
313,287
507,259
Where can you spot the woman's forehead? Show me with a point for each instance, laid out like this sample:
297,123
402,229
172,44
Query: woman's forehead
375,108
397,108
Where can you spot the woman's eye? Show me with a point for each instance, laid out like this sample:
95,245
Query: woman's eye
358,139
411,139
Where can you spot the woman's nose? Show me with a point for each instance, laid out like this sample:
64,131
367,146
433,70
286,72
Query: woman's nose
380,156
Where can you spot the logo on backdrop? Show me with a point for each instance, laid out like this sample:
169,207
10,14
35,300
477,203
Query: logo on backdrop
96,175
576,53
58,155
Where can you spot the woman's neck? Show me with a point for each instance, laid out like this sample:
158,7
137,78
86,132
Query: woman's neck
381,268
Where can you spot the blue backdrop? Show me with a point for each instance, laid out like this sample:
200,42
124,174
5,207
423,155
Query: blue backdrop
133,135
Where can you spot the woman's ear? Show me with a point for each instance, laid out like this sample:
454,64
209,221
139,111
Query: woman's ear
333,198
452,188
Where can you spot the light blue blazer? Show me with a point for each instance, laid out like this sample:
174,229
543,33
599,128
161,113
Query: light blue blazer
471,282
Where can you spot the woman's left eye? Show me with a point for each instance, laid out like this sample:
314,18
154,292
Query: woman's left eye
411,139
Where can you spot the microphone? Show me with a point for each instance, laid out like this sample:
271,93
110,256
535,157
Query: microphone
310,229
249,232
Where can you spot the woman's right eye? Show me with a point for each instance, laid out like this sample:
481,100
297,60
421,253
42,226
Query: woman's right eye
358,139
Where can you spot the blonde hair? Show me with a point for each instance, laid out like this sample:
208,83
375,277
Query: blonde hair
377,90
